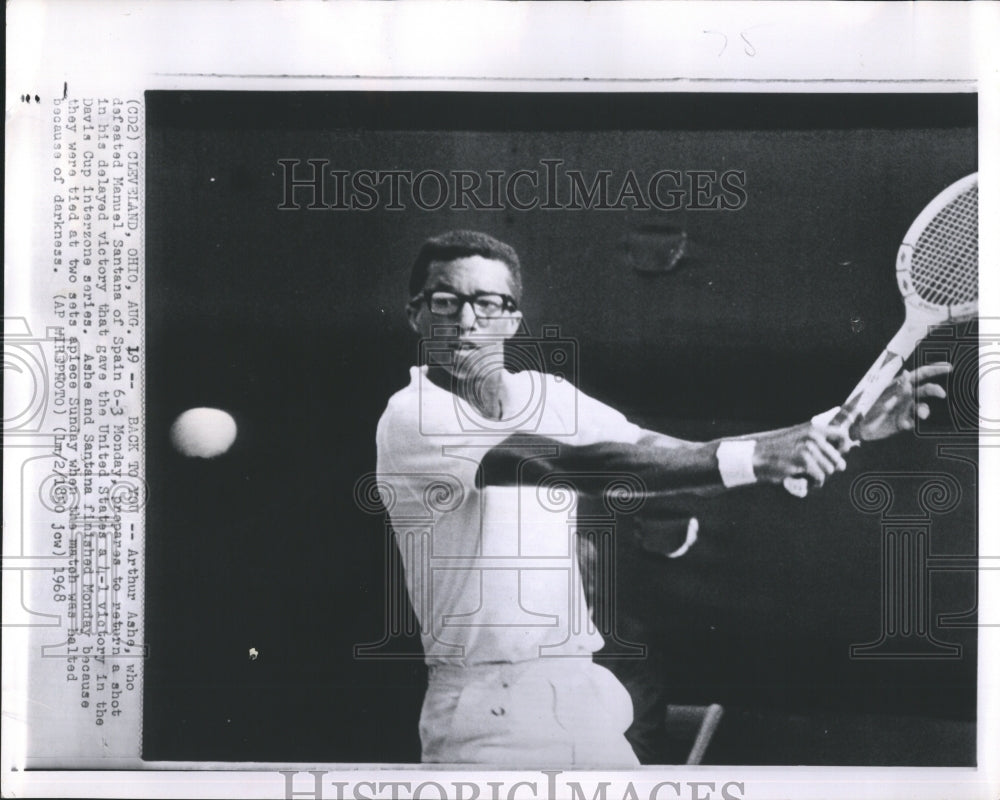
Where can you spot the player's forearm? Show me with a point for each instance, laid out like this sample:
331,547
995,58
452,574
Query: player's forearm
810,449
728,465
711,467
683,467
657,439
528,460
735,468
769,457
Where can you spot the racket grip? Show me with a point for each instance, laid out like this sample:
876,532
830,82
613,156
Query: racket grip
870,388
884,370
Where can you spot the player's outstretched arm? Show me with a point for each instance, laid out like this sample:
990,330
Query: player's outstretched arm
672,466
814,450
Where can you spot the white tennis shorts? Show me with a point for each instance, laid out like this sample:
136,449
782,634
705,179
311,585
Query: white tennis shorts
538,713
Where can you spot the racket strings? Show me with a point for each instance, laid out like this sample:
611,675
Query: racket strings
945,263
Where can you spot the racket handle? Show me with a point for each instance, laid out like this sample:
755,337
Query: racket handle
869,389
875,381
883,371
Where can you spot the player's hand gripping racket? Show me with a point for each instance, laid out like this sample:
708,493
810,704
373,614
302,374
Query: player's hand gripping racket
937,269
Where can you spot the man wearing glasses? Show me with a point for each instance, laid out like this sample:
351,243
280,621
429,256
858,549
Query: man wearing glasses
490,565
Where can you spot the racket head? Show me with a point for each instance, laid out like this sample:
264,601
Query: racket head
937,266
937,270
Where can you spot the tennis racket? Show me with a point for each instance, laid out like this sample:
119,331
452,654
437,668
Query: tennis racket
937,270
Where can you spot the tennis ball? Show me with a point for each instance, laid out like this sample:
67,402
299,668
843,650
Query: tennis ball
203,432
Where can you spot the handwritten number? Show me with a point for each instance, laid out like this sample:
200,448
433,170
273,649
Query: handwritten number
748,47
725,40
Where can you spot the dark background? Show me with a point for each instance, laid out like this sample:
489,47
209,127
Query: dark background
292,321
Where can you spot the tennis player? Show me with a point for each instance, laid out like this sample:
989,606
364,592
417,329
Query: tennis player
490,565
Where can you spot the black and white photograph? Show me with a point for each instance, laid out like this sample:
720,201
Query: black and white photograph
500,400
371,317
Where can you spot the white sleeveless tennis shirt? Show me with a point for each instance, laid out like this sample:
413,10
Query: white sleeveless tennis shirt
492,574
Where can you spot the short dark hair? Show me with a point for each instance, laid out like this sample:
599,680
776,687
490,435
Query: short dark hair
452,245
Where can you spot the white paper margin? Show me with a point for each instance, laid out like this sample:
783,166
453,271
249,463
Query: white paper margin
122,49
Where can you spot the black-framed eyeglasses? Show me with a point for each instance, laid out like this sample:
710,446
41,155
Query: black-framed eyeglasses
485,305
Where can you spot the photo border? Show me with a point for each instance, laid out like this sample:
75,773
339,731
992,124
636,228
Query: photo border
94,49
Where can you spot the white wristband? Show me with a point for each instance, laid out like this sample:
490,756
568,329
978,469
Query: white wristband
736,462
